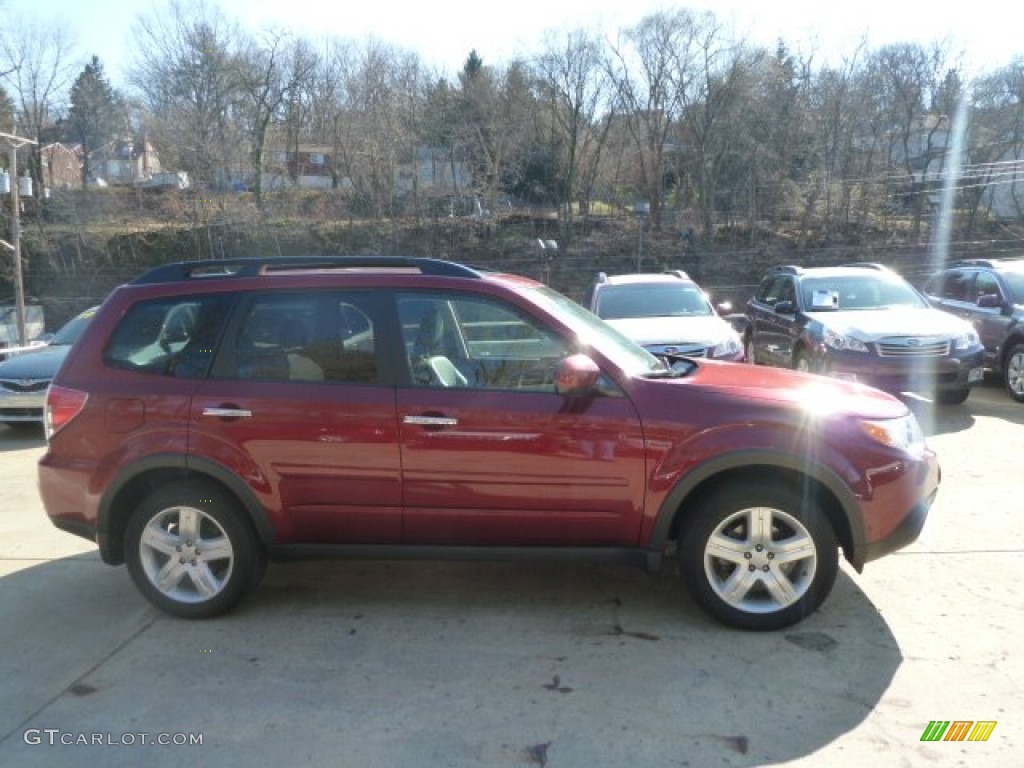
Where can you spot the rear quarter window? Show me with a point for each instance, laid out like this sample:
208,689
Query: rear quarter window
175,336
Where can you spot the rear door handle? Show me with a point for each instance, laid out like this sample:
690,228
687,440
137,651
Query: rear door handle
228,413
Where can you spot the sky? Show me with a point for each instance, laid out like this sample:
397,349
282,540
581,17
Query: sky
444,32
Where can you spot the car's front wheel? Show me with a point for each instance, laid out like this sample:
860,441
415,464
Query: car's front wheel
759,557
748,349
191,551
1013,372
807,364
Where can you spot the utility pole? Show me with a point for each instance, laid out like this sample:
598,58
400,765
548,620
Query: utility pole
15,244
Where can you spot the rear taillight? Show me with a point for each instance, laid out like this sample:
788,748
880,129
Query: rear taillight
62,405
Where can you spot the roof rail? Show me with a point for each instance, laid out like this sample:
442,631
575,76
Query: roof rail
249,267
787,269
867,265
602,277
973,263
677,273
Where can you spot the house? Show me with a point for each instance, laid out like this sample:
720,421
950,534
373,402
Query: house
62,165
124,162
432,170
311,167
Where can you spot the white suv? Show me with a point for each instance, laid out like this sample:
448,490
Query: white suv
666,313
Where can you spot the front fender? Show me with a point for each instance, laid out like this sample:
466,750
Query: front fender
850,528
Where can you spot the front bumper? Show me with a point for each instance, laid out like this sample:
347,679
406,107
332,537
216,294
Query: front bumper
905,533
21,406
897,507
939,374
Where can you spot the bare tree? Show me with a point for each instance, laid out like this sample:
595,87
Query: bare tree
186,73
907,78
993,181
271,71
648,69
573,71
36,57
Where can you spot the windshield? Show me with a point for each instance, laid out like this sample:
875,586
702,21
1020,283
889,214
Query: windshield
1015,282
651,300
592,331
870,291
72,329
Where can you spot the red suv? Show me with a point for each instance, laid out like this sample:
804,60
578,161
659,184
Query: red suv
215,414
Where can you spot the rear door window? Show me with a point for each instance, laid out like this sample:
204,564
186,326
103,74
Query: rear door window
321,336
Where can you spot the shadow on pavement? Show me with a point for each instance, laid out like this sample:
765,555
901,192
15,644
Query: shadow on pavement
20,438
455,664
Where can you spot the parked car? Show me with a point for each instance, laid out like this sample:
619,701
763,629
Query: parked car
863,323
990,295
218,413
665,313
25,376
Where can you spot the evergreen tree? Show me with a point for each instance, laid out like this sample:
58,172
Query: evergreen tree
97,115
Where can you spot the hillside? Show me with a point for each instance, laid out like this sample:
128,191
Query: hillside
83,245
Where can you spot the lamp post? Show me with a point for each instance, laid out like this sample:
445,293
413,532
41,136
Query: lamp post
15,244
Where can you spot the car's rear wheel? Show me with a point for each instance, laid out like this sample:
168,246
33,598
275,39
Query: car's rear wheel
759,557
953,396
191,552
1013,372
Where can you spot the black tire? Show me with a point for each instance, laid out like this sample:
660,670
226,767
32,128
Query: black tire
802,361
219,557
776,593
1013,372
953,396
748,350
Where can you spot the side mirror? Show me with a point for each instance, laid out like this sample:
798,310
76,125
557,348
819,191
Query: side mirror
990,301
724,307
576,375
785,308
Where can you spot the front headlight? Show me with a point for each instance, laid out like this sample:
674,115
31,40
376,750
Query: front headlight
965,341
731,346
903,433
841,342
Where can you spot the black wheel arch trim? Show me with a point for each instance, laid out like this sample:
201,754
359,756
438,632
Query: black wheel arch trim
854,550
110,546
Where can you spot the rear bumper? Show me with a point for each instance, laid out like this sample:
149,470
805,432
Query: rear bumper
76,526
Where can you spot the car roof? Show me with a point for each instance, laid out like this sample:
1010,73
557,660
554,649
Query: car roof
999,265
843,272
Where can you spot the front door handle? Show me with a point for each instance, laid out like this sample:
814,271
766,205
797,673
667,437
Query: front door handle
430,421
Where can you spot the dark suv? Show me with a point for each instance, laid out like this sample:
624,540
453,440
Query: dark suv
217,413
864,323
989,294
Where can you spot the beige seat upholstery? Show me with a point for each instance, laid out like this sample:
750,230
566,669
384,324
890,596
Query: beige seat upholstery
446,373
